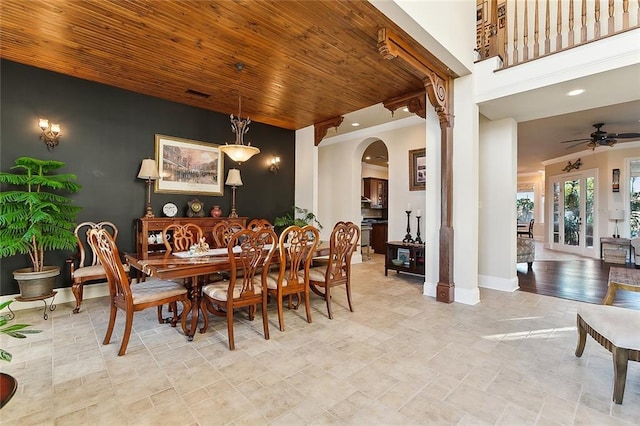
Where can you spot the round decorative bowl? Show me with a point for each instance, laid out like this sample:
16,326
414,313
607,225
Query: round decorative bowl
397,262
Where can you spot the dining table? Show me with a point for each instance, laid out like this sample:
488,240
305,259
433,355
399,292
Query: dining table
182,265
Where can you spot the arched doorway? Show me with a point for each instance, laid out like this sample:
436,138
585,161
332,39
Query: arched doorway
374,198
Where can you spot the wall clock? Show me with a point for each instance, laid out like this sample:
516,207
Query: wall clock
195,209
170,210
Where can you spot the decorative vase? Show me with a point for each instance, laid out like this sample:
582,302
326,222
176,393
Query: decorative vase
216,212
36,284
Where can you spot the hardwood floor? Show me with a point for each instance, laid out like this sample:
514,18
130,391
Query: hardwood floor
584,280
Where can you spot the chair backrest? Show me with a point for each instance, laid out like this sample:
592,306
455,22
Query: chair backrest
88,256
179,237
296,247
255,224
343,242
223,231
250,253
531,226
107,251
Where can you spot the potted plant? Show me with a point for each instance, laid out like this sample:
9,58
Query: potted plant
36,217
8,384
297,216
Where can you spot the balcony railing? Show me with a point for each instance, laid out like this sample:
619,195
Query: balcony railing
522,30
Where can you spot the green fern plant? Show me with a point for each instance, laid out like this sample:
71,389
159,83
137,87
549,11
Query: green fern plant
297,216
16,330
35,217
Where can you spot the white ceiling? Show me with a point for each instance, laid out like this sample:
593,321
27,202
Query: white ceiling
548,116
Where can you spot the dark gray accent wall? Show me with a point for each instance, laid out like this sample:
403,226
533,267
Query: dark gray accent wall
105,134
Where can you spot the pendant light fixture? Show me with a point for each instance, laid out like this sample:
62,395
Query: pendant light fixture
238,151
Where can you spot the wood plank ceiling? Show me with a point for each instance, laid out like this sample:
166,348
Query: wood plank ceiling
305,61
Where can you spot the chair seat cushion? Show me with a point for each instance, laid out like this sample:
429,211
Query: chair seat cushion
92,271
318,273
272,279
618,325
218,291
149,291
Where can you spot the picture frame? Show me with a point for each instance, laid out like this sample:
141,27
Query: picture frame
188,167
417,169
615,180
403,254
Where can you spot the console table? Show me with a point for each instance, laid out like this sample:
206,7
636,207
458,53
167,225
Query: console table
616,254
404,257
153,225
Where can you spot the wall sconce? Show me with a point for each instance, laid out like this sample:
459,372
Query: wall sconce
275,164
49,135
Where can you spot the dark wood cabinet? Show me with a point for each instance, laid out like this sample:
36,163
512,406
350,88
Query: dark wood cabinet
378,238
376,190
402,257
145,227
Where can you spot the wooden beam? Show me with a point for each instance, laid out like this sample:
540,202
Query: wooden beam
438,83
320,129
416,103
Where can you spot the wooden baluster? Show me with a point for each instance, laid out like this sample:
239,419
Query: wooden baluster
525,34
583,20
547,31
559,27
515,34
625,15
610,22
571,36
596,24
536,26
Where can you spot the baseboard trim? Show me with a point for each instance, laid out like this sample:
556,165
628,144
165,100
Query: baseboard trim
498,283
461,295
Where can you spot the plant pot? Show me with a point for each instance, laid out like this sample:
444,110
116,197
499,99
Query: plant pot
36,284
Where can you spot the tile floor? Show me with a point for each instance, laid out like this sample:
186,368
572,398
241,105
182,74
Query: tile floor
400,359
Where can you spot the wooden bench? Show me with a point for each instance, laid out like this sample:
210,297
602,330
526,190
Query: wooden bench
617,330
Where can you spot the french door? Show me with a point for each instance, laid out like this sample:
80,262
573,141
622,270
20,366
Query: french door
573,213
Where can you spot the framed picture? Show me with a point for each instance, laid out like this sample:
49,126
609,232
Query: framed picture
403,255
417,169
187,166
615,180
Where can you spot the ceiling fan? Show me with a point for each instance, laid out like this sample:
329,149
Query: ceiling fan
601,138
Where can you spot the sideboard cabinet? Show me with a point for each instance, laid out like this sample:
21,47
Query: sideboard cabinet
147,227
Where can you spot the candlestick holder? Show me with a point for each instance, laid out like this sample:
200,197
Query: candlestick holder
418,240
407,238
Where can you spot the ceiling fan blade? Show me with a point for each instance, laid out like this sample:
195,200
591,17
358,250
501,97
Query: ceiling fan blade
577,140
624,135
577,144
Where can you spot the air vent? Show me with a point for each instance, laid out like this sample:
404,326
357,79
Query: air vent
196,93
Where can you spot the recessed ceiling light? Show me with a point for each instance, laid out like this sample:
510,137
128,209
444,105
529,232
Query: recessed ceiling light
405,109
355,124
368,157
576,92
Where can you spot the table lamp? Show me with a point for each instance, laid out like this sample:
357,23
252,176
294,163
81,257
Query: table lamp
616,215
233,180
148,171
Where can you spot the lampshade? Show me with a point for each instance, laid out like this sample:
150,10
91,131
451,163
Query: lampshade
233,178
616,215
239,153
148,169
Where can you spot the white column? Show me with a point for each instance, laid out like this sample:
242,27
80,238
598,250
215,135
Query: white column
497,218
306,176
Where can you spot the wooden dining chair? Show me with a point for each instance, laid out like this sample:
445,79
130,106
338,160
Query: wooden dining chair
343,242
250,253
258,224
135,298
295,247
179,237
85,265
223,231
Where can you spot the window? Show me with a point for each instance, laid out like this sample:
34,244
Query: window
634,197
524,202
